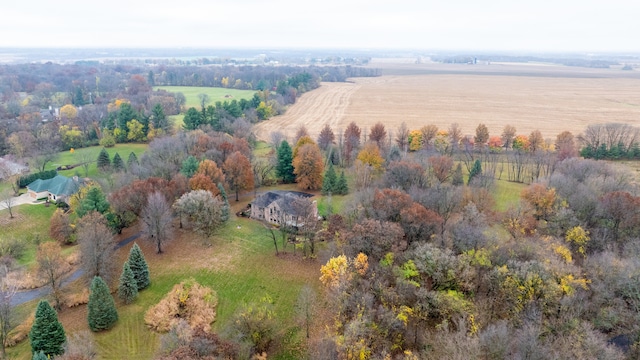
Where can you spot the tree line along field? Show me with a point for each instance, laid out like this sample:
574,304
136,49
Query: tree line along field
551,99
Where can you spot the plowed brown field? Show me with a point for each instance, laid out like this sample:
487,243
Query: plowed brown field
547,98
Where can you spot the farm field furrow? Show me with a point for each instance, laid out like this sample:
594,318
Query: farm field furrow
536,101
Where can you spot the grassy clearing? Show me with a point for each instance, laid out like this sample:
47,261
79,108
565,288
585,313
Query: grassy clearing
215,94
29,222
78,155
507,193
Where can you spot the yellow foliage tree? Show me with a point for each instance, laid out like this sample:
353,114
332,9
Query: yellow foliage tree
370,155
136,132
68,111
415,140
335,272
578,238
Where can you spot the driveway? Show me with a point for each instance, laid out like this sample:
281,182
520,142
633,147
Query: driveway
20,200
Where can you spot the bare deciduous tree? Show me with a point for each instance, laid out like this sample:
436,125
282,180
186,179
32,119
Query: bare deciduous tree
7,201
51,267
202,210
156,220
7,318
97,247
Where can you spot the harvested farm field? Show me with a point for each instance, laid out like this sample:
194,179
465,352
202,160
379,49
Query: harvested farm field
549,98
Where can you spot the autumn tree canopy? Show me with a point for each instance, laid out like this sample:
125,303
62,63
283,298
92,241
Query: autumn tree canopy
238,172
308,166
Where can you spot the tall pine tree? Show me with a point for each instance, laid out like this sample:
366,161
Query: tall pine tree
104,162
284,169
342,188
118,164
102,313
458,179
128,286
330,181
139,266
132,160
47,334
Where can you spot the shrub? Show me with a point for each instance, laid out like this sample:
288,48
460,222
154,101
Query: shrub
107,141
189,301
44,175
12,247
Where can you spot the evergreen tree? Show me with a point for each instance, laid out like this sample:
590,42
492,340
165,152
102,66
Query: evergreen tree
93,201
341,186
128,286
458,179
132,160
125,114
118,164
139,266
78,98
476,170
40,356
225,208
47,334
330,181
102,313
104,162
189,166
284,169
192,119
159,119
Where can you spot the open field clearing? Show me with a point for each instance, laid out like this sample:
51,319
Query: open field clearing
215,94
547,98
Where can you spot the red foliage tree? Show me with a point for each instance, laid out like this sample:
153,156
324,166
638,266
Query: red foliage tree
441,167
388,203
419,223
378,134
326,137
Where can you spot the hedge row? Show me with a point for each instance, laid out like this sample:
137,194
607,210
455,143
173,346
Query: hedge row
28,179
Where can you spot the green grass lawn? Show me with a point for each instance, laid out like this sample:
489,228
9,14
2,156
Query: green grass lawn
30,222
91,153
215,94
507,193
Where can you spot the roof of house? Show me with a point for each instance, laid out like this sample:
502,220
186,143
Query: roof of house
283,198
59,185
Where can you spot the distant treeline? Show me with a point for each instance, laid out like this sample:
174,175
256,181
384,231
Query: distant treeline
611,141
465,59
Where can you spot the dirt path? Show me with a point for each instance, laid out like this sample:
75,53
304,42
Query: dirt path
314,109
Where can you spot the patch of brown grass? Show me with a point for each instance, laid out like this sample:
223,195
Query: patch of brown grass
21,331
189,301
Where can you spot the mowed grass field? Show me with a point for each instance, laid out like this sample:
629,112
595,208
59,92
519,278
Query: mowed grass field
78,156
548,98
215,94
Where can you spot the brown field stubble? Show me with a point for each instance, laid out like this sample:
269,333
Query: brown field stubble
551,99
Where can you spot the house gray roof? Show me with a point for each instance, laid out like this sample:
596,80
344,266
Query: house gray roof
59,185
284,199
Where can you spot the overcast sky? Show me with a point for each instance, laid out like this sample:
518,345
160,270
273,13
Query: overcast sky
510,25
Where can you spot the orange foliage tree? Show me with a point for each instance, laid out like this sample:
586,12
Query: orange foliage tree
541,198
238,173
308,167
207,177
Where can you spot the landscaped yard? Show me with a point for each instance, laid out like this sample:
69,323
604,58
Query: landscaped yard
239,263
79,156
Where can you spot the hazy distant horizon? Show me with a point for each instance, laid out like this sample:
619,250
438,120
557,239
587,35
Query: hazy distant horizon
543,26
